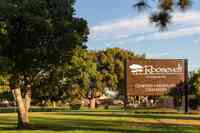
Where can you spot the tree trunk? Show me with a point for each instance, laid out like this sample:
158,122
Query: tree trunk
23,106
53,104
22,114
92,103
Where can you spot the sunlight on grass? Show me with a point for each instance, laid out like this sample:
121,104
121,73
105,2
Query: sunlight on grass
90,122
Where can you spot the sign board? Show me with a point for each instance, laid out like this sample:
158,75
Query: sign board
155,77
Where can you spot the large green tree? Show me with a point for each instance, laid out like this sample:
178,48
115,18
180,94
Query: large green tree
81,77
36,36
90,72
71,81
111,65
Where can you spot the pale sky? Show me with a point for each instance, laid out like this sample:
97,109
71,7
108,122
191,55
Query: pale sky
114,23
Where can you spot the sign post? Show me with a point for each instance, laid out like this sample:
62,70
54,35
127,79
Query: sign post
125,84
186,87
156,77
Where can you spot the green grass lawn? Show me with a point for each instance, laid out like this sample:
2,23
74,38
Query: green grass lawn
103,122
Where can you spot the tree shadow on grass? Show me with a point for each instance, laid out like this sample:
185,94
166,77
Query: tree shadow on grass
50,124
149,129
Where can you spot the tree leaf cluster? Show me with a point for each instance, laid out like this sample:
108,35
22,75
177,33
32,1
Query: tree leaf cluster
162,10
194,83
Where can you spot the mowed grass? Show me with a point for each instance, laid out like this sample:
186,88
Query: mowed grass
103,122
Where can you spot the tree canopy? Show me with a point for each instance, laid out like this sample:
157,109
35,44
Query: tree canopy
36,36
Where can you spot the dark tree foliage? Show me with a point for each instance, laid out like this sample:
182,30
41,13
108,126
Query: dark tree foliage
36,36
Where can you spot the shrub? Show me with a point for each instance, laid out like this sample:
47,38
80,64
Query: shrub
193,103
75,104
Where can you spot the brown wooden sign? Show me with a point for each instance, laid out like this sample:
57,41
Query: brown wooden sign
155,77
